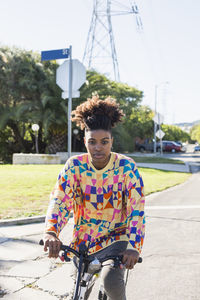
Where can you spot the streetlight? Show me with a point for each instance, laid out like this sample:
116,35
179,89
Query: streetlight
35,128
155,126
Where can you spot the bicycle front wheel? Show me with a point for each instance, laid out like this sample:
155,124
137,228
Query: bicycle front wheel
78,281
102,295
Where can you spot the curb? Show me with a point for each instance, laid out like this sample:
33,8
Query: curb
194,167
22,221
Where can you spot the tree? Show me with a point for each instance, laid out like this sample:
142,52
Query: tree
29,94
195,133
174,133
7,145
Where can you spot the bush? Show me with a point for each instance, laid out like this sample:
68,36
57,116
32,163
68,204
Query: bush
7,145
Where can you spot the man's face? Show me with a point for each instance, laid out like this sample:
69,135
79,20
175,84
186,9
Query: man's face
98,144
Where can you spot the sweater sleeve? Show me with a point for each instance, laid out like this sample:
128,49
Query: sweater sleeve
135,201
61,202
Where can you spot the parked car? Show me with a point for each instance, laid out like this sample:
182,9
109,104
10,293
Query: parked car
148,147
170,146
167,146
197,148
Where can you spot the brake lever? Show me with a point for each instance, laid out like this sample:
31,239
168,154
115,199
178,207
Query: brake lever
64,257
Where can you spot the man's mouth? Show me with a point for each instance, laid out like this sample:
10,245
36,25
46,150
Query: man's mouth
98,155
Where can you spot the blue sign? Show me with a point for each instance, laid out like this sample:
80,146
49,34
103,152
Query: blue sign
55,54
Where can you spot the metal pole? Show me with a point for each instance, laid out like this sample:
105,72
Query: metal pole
159,126
70,103
161,147
159,122
155,121
36,142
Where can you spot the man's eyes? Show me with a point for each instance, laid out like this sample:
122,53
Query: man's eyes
93,142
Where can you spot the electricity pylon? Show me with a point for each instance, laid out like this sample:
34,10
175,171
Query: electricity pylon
100,52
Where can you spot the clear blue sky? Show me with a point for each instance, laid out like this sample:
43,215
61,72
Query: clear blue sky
168,49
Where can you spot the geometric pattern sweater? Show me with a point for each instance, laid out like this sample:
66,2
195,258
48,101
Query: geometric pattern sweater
107,204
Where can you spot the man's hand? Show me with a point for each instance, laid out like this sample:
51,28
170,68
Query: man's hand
130,258
53,244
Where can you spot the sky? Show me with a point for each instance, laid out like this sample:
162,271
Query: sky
162,60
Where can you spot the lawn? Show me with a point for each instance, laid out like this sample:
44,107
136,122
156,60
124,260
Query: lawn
25,189
158,160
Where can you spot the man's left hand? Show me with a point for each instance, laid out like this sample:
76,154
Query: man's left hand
130,258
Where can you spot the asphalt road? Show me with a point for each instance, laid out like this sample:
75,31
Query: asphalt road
171,267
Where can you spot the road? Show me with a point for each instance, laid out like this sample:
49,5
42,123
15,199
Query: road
171,256
171,268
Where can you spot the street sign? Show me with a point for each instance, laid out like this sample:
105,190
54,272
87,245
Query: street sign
75,94
78,77
158,118
68,91
160,134
55,54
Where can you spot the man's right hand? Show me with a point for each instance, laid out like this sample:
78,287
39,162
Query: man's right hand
53,244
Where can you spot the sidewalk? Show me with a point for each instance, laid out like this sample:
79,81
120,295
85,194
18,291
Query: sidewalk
25,270
167,167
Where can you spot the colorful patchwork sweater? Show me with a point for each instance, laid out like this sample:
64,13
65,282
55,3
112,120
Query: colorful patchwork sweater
108,204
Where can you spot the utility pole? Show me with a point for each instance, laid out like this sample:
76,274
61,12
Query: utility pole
157,117
155,124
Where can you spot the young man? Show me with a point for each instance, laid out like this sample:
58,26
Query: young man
105,191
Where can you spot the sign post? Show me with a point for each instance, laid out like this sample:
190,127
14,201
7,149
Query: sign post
61,54
158,119
70,104
160,134
70,76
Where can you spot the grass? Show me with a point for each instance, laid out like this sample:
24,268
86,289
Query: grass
25,189
159,180
150,159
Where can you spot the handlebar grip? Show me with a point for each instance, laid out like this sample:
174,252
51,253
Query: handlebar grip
41,243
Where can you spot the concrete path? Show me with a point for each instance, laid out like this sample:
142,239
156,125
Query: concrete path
167,167
171,256
25,270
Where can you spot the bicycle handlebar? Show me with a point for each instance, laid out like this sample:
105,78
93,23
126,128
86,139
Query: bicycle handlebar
77,254
64,248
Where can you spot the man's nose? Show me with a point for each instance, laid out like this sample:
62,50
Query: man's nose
98,147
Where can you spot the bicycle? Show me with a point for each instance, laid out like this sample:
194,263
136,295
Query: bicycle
88,270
